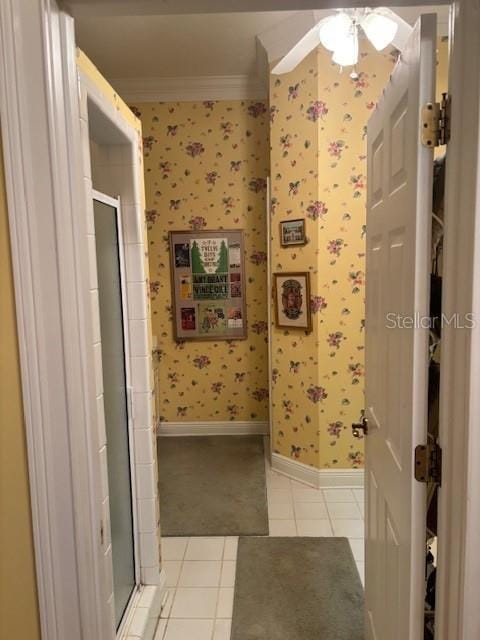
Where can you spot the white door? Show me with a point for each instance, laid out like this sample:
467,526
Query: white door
398,266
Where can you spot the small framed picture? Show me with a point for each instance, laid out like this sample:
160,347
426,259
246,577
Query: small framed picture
292,300
292,232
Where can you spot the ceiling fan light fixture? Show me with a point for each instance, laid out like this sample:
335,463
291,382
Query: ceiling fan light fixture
379,29
334,29
346,51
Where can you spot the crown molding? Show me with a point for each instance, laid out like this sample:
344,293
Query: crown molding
190,89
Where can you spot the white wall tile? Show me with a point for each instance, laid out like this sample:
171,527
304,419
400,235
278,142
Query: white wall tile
133,218
145,481
95,311
87,170
106,523
103,473
102,434
141,373
137,300
142,409
150,575
92,262
97,356
108,570
149,549
147,516
143,446
139,343
90,221
135,261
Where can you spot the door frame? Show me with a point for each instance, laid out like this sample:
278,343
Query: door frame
43,171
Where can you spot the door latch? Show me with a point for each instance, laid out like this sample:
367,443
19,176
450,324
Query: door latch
358,427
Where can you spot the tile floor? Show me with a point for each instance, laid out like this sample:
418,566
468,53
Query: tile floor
201,571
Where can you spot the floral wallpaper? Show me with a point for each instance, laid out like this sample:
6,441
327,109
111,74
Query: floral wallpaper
206,165
318,166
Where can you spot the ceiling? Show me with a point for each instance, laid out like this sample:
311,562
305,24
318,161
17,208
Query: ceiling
176,46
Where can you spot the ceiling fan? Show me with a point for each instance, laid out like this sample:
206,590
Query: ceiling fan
340,32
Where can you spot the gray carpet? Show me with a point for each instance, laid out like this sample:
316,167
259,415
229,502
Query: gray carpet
212,486
297,589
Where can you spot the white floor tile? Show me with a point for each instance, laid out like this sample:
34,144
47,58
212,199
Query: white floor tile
189,630
228,573
200,573
222,630
225,603
310,511
174,548
358,549
194,603
338,495
314,528
303,493
231,547
172,570
342,510
277,481
279,496
162,625
205,549
282,527
281,511
167,603
361,506
348,528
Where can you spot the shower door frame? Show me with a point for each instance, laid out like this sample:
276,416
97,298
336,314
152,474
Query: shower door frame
116,204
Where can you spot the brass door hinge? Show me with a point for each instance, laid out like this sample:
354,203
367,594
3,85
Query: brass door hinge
435,122
428,463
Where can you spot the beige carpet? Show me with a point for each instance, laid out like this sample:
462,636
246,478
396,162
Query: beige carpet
212,486
297,589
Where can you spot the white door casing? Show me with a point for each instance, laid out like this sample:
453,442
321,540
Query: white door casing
398,266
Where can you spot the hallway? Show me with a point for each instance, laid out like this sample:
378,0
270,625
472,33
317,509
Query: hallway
201,571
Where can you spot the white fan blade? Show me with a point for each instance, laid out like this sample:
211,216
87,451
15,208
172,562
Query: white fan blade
404,29
309,42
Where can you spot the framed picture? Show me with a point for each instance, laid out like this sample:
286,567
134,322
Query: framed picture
292,232
292,300
208,285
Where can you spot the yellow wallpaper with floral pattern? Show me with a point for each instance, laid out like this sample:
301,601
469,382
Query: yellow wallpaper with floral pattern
206,165
318,165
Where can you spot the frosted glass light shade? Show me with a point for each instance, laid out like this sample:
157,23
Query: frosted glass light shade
334,29
346,51
379,29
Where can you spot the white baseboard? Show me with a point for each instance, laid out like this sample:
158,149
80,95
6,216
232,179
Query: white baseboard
233,428
318,478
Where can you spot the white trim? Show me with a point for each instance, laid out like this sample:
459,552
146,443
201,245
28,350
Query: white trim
233,428
39,117
195,88
147,604
318,478
458,613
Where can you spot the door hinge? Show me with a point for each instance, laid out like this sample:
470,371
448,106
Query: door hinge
102,533
428,463
435,122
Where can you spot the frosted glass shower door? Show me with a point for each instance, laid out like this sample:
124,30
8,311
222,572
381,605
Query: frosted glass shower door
108,248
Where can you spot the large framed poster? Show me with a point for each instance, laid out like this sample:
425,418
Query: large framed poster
208,285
